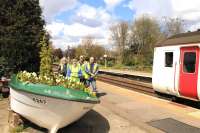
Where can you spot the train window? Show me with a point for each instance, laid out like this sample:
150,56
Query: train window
168,59
189,62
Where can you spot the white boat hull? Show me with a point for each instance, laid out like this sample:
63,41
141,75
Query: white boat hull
47,112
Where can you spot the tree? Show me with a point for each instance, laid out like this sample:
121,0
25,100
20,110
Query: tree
145,33
98,51
119,34
69,52
89,47
45,56
3,64
173,26
21,25
57,54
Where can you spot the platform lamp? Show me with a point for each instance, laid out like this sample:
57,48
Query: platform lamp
105,59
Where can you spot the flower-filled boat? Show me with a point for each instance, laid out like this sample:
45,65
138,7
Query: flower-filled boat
50,102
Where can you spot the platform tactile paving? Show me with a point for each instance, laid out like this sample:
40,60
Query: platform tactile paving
170,125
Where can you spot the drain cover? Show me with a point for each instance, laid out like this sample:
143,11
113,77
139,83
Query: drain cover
170,125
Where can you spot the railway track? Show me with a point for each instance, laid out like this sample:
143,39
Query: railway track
128,83
145,88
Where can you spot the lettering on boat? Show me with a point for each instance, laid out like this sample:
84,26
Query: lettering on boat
38,100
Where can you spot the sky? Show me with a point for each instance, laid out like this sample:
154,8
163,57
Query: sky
68,21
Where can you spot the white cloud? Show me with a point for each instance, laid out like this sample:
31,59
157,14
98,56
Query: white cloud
64,34
91,16
184,9
87,12
188,10
72,34
112,3
53,7
152,7
55,29
80,30
61,42
185,5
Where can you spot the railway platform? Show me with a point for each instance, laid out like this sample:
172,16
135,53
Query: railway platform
149,113
125,111
127,72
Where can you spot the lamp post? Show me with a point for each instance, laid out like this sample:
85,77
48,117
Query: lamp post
105,59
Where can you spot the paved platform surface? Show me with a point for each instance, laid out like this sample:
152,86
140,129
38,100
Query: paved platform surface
129,72
4,116
142,109
124,111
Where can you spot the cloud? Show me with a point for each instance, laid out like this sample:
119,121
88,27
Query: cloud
80,30
54,7
87,15
152,7
111,4
91,16
188,10
55,29
85,23
184,9
65,34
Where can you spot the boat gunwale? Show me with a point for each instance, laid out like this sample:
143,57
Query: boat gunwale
82,101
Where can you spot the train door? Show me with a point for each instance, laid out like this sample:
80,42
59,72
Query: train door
188,79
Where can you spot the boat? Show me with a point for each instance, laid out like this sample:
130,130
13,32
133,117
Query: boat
51,107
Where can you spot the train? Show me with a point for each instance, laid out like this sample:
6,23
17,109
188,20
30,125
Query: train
176,66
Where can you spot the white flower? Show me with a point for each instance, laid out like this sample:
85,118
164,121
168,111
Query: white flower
45,77
34,74
24,72
28,75
58,80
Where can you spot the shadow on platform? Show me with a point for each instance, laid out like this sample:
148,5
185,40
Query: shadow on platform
100,94
92,122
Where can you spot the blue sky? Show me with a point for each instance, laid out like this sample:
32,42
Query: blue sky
68,21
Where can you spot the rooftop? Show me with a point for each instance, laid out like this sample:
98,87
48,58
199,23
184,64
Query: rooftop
180,39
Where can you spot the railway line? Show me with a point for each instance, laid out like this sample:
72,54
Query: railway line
131,84
142,85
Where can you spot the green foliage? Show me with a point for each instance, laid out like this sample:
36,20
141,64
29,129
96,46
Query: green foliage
20,26
3,65
17,129
45,56
145,34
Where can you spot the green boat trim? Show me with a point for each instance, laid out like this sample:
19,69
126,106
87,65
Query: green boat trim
58,92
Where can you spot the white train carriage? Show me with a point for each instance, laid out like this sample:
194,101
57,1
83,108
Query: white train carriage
176,66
